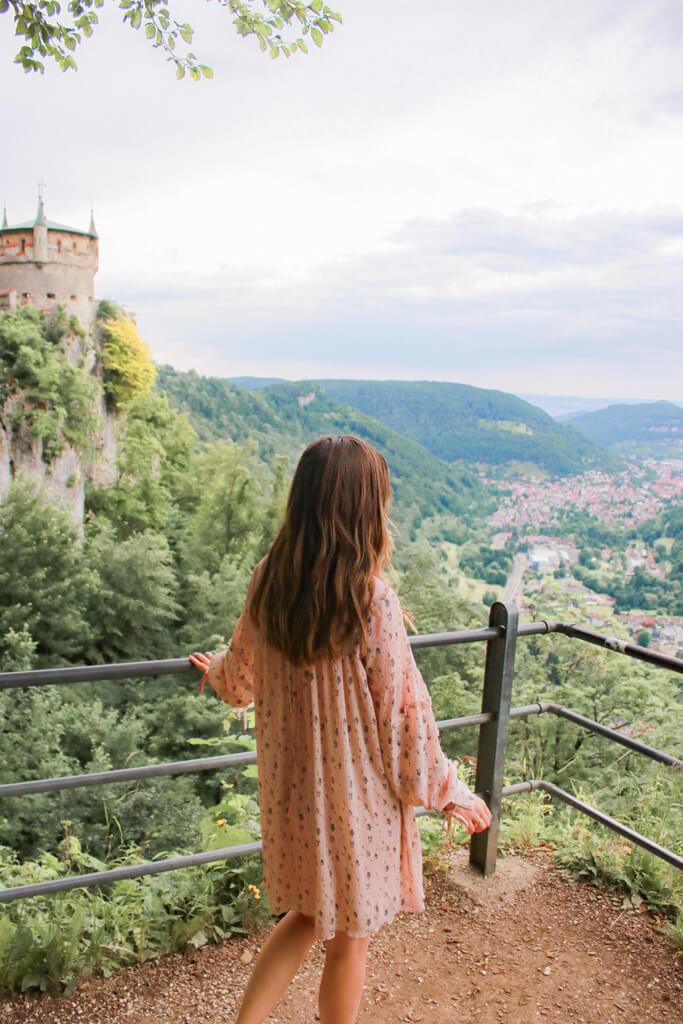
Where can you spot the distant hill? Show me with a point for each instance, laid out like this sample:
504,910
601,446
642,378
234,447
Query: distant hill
253,383
650,422
283,418
459,423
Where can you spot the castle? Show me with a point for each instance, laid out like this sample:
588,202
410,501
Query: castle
46,264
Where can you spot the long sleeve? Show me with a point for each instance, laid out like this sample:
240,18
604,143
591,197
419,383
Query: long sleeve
415,765
231,673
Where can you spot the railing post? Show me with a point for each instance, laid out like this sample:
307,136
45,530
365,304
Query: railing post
498,676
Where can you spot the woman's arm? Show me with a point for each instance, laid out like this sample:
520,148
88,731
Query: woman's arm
416,767
231,673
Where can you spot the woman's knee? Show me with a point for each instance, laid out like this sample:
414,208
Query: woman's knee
347,945
303,923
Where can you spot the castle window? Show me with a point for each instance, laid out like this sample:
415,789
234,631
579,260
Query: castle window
25,295
74,247
73,297
23,245
51,295
59,245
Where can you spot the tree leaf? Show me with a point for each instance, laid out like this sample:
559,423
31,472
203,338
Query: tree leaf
317,36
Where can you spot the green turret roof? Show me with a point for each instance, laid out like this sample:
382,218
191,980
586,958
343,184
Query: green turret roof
52,225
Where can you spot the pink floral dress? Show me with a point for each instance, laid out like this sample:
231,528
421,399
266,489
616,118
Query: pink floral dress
346,748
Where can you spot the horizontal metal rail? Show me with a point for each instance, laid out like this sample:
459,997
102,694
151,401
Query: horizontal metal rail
158,867
593,812
181,666
154,867
613,734
147,771
237,760
132,670
205,764
613,643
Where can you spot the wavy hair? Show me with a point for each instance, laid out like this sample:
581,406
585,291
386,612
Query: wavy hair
313,591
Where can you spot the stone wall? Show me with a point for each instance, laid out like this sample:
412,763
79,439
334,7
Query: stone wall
65,477
65,275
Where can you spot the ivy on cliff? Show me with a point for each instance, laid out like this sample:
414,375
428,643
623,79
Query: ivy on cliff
43,395
126,360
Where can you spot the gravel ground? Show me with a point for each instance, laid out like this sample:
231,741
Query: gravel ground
520,947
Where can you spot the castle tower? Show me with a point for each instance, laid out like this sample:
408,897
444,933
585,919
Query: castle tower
46,264
40,234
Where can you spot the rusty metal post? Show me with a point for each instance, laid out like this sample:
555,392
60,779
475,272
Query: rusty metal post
497,696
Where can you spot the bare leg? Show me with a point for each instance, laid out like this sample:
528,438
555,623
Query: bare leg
276,965
341,988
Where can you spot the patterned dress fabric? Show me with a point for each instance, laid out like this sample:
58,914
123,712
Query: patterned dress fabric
346,748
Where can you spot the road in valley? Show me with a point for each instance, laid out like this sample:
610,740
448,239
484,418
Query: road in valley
514,580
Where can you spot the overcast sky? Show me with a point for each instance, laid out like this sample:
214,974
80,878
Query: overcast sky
489,193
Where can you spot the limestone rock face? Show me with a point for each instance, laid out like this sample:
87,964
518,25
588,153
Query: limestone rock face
65,476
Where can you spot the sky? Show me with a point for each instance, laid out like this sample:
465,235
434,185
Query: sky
487,193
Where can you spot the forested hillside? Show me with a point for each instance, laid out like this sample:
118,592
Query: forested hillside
651,422
159,567
472,425
283,418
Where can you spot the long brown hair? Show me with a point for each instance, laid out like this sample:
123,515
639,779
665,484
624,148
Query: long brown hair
313,593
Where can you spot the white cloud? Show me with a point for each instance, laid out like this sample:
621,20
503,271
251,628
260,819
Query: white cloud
505,175
482,297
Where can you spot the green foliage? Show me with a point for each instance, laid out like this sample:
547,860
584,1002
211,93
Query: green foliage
30,747
133,607
282,420
641,590
460,423
48,942
162,567
658,422
49,36
601,857
126,361
480,560
45,583
51,401
153,458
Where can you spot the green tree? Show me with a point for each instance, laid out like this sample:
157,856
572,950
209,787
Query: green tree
45,584
133,607
154,453
50,35
30,748
228,514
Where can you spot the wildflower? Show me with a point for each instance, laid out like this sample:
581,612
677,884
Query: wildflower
256,893
222,821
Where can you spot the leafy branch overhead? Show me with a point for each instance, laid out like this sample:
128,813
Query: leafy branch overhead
280,26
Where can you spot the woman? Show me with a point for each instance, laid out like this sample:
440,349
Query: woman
346,738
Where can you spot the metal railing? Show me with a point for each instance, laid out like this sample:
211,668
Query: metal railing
500,637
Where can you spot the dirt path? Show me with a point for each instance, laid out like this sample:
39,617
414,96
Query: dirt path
521,947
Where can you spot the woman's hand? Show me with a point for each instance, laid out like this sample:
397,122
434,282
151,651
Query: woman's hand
201,661
475,819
